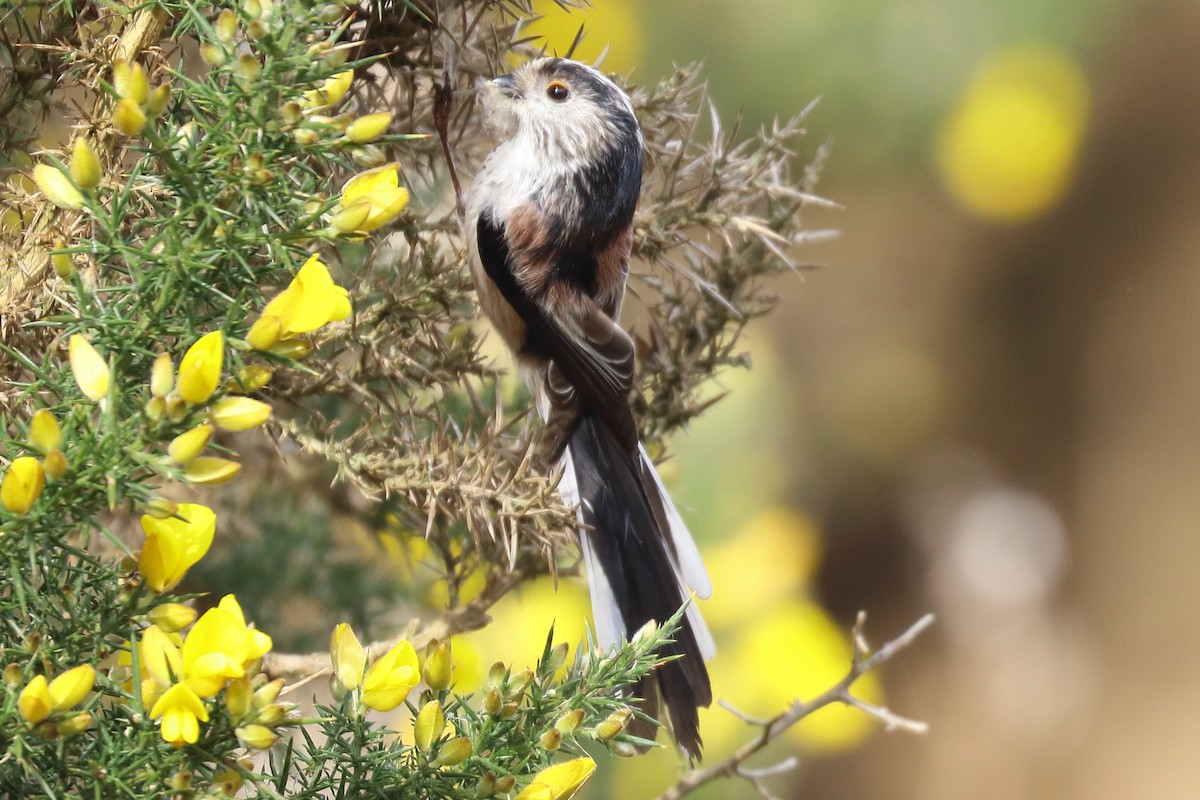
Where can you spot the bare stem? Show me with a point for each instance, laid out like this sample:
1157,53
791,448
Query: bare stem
863,662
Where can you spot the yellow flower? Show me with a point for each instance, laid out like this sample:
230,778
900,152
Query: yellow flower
210,470
332,90
173,545
181,711
85,165
391,678
258,643
129,79
369,127
189,444
34,703
68,689
23,482
57,187
239,413
379,191
89,368
349,658
200,368
560,781
311,300
44,433
250,378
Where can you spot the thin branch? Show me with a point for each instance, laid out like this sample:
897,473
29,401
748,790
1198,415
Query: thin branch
862,663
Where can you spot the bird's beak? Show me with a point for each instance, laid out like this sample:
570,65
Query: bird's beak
506,86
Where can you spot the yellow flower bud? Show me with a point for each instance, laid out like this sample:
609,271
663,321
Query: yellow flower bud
177,407
252,9
239,413
161,508
128,117
256,30
212,55
44,433
247,67
75,725
517,684
228,781
129,79
62,263
172,617
493,701
226,26
438,667
209,471
156,408
162,376
305,137
505,785
56,464
369,127
34,703
13,676
57,187
85,165
200,368
351,218
22,484
189,444
369,156
551,740
272,714
556,658
428,726
453,752
68,689
255,737
349,658
264,333
238,695
560,781
486,786
568,722
250,379
291,112
266,694
158,99
615,723
295,349
89,367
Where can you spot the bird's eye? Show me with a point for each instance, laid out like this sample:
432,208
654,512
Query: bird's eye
557,91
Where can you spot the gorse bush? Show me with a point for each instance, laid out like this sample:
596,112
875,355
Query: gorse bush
251,230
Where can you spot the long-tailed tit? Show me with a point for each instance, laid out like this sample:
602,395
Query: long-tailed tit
549,227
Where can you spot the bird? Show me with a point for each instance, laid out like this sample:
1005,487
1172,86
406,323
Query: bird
549,229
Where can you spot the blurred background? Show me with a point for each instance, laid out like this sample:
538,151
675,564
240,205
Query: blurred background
981,402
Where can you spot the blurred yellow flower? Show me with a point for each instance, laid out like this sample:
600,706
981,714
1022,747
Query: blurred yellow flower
57,187
560,781
128,117
330,92
368,127
371,199
311,300
89,368
391,678
44,433
1008,150
175,544
23,483
348,656
162,375
613,26
200,368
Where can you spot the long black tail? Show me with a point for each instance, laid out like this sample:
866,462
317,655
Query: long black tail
639,557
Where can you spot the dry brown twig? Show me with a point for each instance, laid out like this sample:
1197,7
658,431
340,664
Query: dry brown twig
863,661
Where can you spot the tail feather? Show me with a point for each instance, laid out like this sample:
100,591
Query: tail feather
639,564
